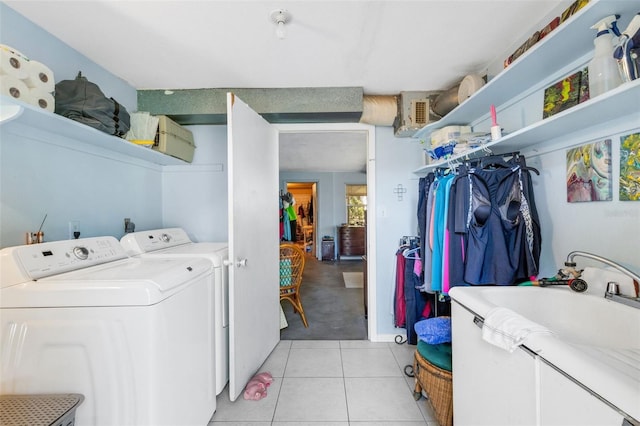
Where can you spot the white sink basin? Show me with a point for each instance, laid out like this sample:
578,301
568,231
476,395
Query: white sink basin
576,317
595,341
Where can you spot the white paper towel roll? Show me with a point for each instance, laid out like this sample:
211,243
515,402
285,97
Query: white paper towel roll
14,87
39,76
13,64
42,99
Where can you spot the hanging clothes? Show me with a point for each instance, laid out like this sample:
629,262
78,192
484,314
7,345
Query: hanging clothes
424,189
481,225
456,228
286,225
400,311
503,231
438,231
415,301
289,217
293,222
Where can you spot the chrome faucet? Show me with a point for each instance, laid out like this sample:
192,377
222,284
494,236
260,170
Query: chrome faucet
612,292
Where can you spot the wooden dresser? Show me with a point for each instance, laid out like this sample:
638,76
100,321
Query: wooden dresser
351,240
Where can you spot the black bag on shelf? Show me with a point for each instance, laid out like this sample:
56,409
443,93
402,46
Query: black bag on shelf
83,101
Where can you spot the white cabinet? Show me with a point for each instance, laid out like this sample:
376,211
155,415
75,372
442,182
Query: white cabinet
494,387
566,46
563,403
490,385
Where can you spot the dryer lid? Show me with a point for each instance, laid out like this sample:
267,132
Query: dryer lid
216,252
153,240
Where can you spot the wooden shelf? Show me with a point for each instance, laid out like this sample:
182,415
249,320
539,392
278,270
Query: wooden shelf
23,119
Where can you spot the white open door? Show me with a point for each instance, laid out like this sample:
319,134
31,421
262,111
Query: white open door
254,314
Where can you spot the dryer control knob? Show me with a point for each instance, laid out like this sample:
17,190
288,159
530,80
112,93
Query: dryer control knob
165,237
81,252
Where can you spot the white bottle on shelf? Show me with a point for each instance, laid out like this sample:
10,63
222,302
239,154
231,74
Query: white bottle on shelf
604,74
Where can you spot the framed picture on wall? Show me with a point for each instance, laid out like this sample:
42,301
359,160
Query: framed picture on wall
630,167
589,173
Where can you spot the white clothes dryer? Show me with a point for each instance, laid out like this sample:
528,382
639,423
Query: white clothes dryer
133,335
175,242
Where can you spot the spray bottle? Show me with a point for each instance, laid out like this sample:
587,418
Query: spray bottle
627,50
604,74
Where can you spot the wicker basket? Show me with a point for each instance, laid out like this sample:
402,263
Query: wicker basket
437,383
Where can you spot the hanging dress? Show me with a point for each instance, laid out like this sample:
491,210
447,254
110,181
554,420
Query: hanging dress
502,230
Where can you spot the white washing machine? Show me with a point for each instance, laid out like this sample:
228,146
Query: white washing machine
133,335
175,242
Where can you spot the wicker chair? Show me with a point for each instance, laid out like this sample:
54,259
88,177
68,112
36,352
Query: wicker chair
291,266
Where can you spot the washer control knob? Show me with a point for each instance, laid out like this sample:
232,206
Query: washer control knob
81,252
165,237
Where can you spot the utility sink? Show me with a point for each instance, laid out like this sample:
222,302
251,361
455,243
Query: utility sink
579,318
594,341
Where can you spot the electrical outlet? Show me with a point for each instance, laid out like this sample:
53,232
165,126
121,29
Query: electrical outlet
74,226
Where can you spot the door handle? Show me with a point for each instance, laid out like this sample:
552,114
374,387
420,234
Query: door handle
238,263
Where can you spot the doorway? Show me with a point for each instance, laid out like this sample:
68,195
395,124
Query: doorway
304,194
330,214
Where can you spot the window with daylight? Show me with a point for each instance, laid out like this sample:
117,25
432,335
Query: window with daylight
356,204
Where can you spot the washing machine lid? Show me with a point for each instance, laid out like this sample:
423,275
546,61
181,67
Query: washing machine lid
31,262
123,282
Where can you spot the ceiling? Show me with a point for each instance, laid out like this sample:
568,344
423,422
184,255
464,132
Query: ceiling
385,47
323,151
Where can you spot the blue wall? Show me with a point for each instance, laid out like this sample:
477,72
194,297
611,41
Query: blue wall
38,178
39,45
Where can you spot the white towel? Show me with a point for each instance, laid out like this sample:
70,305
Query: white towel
506,329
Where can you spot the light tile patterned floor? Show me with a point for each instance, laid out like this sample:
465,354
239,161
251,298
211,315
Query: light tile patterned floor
332,383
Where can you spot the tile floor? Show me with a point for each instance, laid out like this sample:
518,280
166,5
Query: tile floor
332,383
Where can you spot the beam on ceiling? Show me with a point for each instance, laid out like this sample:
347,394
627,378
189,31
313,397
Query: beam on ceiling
282,105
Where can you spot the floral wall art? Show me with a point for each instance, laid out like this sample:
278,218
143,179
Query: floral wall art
630,167
589,174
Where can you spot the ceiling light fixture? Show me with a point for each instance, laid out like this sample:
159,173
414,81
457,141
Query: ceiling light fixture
280,17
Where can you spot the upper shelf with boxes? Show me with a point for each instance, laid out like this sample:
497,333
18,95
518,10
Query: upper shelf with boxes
26,120
530,73
81,117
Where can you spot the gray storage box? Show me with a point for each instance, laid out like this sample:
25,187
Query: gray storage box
174,140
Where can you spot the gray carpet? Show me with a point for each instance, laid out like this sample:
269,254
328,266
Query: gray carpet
333,311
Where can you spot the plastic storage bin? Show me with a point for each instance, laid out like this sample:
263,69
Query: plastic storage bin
39,410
